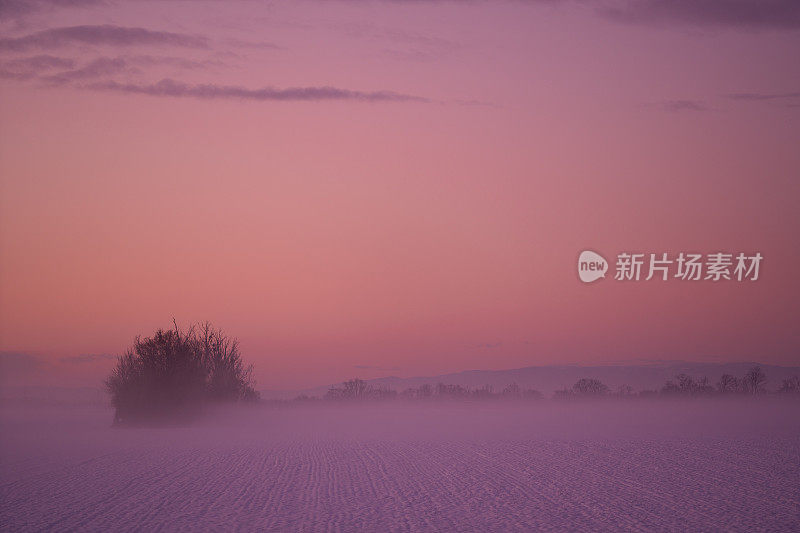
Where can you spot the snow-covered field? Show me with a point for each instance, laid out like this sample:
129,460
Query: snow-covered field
696,466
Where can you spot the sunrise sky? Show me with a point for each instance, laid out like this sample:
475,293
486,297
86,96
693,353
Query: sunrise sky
369,188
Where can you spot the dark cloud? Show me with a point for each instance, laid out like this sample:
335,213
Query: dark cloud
38,67
104,66
763,96
26,68
40,62
168,87
13,9
258,45
774,14
106,35
678,106
171,61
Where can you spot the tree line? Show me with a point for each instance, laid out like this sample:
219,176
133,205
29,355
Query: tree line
753,383
358,389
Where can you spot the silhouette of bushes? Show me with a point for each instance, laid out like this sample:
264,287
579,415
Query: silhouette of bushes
360,390
752,384
790,386
172,374
584,388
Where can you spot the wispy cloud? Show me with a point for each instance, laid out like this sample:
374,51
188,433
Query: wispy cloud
379,368
104,66
41,62
26,68
15,9
41,67
678,106
490,345
176,89
763,96
775,14
258,45
106,35
171,61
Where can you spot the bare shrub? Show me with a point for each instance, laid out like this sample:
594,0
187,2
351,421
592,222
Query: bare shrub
172,374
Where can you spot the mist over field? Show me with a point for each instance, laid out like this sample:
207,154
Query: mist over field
709,464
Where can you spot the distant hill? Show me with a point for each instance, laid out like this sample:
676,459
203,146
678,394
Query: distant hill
548,379
64,396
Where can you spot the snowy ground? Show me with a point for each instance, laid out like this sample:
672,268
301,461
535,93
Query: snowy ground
701,465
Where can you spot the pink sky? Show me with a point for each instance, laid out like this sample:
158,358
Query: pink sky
420,208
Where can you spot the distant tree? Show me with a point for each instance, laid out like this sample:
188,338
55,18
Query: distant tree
305,398
334,393
409,394
563,394
172,374
359,390
483,393
728,384
381,393
686,384
424,391
512,391
444,391
354,389
625,391
670,388
704,387
790,385
753,382
589,387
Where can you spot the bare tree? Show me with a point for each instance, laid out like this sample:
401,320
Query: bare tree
483,393
424,391
704,387
670,388
686,384
625,391
589,387
790,385
512,391
228,377
354,389
728,384
753,382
